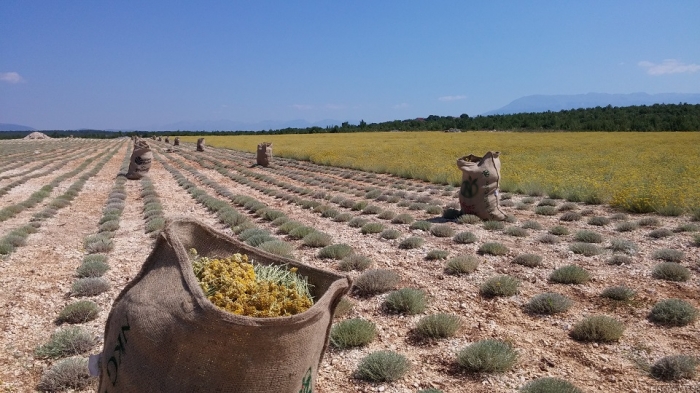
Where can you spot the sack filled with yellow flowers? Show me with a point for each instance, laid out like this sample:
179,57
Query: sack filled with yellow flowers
208,322
478,193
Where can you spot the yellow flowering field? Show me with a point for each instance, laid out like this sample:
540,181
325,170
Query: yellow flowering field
635,171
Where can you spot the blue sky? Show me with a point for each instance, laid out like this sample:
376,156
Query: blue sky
135,64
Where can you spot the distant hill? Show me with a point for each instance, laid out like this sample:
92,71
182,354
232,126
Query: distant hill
14,127
556,103
231,125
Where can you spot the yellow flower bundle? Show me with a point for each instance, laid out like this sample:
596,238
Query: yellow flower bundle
235,285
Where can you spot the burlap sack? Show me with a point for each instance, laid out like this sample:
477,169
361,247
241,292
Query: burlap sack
141,159
167,140
164,335
264,154
176,142
478,194
200,144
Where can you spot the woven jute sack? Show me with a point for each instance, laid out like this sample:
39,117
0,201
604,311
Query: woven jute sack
164,335
264,154
141,159
176,142
167,140
200,144
478,193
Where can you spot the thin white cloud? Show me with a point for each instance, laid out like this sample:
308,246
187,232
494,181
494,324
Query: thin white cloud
302,107
668,66
452,98
11,77
401,105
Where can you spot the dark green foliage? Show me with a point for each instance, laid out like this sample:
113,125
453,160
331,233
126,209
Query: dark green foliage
89,286
599,328
390,234
462,264
354,262
493,225
548,304
69,341
442,230
71,373
376,281
438,326
587,249
409,301
619,259
437,255
487,356
671,271
78,312
501,286
588,237
550,385
673,312
335,251
371,228
570,274
675,368
411,242
559,230
350,333
493,248
529,260
421,225
383,366
620,293
465,238
668,255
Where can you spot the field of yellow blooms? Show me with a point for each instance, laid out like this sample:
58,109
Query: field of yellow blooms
635,171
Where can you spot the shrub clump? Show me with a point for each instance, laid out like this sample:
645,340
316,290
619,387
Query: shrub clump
668,255
546,210
570,274
350,333
492,225
570,216
586,249
671,271
626,226
442,230
487,356
317,239
623,245
674,368
619,293
464,237
98,244
619,259
437,255
409,301
404,218
383,366
438,326
78,312
548,304
462,264
550,385
529,260
71,373
516,231
277,247
599,328
588,237
421,225
559,230
411,242
673,312
94,265
376,281
89,286
372,227
660,233
390,234
354,262
468,219
493,248
69,341
335,251
532,225
500,286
